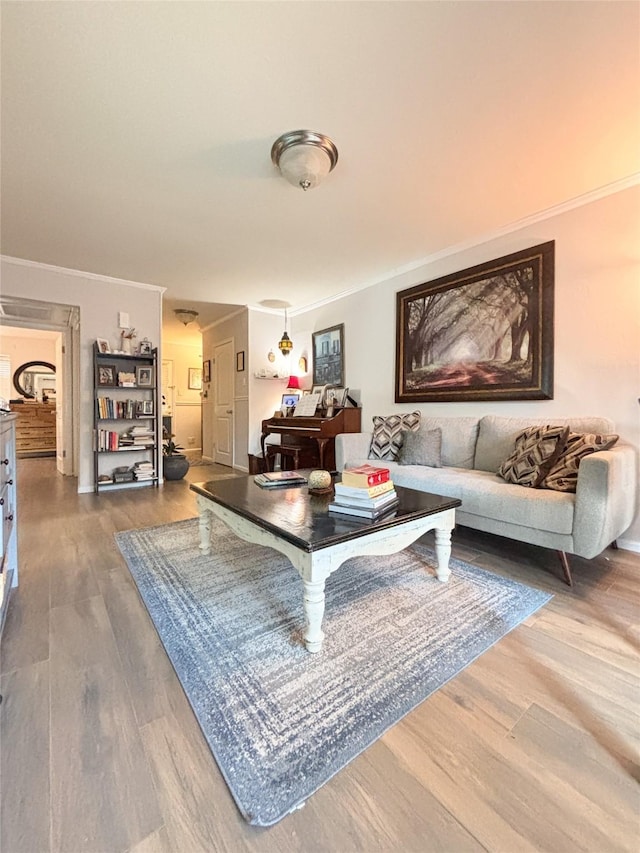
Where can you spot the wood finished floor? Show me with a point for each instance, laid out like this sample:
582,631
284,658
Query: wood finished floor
533,747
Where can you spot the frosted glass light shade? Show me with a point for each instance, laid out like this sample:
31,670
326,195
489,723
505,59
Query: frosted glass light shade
304,157
304,166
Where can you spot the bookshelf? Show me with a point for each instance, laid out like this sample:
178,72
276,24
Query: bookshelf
126,431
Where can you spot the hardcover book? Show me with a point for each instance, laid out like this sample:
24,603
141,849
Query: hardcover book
365,476
364,512
366,502
364,492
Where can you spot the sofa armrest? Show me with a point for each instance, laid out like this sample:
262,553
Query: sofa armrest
605,499
351,447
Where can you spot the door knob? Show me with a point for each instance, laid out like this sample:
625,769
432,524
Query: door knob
229,411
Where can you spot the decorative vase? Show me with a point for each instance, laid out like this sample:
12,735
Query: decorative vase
126,345
175,466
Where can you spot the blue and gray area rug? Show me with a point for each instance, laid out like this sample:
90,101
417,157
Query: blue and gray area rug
280,721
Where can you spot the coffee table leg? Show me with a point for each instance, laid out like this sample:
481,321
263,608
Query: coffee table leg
204,525
443,552
313,611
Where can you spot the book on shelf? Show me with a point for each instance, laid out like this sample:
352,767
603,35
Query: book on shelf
364,512
364,491
365,476
367,503
274,479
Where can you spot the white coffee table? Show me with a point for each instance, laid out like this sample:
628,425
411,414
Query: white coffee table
315,541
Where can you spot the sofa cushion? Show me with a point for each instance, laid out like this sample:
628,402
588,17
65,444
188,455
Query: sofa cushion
563,474
536,450
486,495
388,434
459,437
423,447
497,435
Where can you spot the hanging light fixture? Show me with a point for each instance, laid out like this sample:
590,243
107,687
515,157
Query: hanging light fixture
285,345
304,157
186,315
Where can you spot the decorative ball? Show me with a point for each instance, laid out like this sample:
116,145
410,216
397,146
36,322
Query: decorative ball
319,480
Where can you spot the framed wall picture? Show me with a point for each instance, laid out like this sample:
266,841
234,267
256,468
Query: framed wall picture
240,361
485,333
195,378
144,376
206,371
328,356
106,374
103,345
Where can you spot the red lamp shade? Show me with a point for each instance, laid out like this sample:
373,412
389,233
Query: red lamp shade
294,382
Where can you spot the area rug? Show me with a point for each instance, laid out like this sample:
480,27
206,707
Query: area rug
280,721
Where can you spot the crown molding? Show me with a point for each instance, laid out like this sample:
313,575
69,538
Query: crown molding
92,276
542,215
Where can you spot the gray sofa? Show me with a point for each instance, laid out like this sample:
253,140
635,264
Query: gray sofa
473,449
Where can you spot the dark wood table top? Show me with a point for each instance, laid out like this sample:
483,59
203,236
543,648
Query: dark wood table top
304,520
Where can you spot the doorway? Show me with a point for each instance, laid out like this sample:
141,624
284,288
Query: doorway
30,318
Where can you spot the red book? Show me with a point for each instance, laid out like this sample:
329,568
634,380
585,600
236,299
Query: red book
364,476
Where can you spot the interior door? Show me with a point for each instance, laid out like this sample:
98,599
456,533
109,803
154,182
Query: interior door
64,415
223,408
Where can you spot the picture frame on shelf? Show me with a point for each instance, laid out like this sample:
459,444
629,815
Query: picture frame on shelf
318,389
195,378
328,356
240,361
103,345
144,376
106,375
146,347
144,408
206,371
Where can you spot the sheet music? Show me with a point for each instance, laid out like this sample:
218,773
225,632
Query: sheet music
306,406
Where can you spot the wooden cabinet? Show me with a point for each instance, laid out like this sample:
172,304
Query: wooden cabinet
35,428
126,421
9,510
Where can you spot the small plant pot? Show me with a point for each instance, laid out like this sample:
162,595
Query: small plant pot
175,466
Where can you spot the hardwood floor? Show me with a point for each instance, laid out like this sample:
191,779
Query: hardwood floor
533,747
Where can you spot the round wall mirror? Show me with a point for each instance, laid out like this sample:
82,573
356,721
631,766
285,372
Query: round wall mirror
35,380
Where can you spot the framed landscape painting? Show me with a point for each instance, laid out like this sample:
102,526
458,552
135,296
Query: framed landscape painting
485,333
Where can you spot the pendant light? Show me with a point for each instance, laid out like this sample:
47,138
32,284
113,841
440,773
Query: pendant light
285,344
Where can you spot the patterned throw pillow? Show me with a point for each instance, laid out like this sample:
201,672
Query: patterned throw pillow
423,447
563,475
536,450
388,434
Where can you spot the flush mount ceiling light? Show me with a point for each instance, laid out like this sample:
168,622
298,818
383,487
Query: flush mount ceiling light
186,315
304,157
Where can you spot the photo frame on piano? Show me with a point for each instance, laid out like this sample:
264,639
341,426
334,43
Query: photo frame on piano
336,397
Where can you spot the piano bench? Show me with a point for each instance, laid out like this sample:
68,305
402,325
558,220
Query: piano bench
290,456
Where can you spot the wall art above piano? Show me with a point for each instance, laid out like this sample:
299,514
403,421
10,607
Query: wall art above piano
328,356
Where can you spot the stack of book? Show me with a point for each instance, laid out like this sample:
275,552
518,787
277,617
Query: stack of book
273,479
141,436
144,471
366,492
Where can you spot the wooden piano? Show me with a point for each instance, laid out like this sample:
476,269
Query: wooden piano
314,437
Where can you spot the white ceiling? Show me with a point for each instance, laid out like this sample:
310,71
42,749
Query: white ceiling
136,136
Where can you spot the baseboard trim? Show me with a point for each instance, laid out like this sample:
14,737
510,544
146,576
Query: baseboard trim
629,545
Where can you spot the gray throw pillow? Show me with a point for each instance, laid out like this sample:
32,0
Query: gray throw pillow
389,432
422,448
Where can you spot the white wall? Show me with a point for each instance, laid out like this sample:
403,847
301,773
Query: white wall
187,412
99,300
597,322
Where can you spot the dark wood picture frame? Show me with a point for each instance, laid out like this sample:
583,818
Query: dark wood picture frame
107,375
240,361
328,356
485,333
206,371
